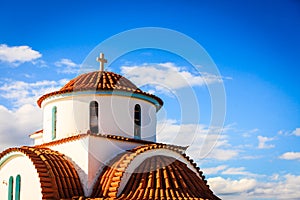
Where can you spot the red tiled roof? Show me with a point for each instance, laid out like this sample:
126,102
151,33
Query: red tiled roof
57,175
109,136
37,132
99,81
159,179
174,181
163,180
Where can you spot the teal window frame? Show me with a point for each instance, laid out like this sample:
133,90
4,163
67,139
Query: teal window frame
137,121
10,194
18,187
54,122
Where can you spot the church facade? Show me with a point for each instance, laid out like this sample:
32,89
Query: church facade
98,141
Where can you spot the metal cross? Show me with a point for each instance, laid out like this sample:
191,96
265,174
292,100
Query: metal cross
101,60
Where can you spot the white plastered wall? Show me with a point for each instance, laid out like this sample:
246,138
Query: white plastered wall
116,115
18,163
77,153
90,154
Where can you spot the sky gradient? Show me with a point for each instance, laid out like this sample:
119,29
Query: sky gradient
255,45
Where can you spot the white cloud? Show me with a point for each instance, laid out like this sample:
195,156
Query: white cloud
262,142
203,142
18,54
249,133
17,124
238,171
225,170
228,186
287,188
213,170
67,66
25,117
167,76
296,132
290,156
20,92
40,63
284,187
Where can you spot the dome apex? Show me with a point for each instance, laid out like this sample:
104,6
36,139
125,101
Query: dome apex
99,81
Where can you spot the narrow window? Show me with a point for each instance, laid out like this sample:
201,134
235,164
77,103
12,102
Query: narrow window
137,121
94,117
54,122
18,187
10,188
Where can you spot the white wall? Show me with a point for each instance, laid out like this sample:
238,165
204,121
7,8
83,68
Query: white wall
30,185
77,153
90,154
116,115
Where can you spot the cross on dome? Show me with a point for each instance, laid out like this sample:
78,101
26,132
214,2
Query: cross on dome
101,60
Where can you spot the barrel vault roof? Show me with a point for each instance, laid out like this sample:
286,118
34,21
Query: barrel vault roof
157,177
58,177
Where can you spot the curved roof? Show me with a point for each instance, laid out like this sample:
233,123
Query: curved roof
99,81
167,179
57,175
157,177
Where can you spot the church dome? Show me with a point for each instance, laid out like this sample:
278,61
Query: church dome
100,81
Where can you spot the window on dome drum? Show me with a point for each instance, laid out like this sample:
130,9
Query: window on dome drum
10,188
94,107
137,121
18,187
54,122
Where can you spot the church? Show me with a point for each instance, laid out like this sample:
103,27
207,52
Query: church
98,141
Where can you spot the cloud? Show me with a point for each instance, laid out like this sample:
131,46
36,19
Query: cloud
214,170
284,187
225,170
296,132
262,142
67,66
249,133
203,142
238,171
17,124
20,92
17,54
40,63
287,188
167,76
290,156
223,186
25,117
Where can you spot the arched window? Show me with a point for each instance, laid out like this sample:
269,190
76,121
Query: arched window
54,122
137,121
94,117
10,188
18,187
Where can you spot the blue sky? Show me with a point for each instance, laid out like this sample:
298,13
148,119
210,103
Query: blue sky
255,45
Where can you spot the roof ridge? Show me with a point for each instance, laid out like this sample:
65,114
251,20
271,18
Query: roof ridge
118,168
109,136
57,175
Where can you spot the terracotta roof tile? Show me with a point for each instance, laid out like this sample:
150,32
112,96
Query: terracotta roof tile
159,179
99,81
37,132
109,136
57,175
